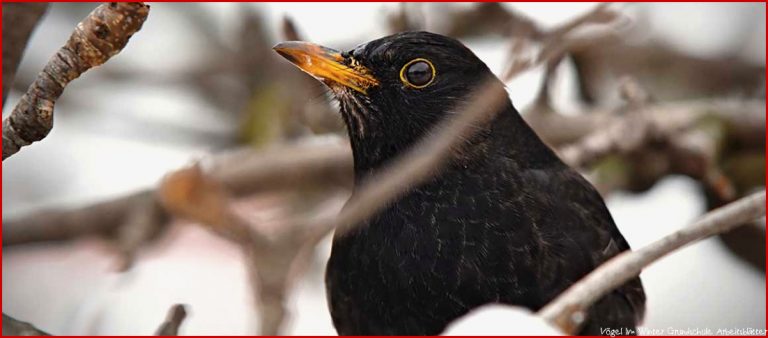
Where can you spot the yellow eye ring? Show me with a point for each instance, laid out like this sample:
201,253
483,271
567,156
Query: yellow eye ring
408,83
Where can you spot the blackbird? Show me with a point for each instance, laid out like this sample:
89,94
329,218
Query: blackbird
505,221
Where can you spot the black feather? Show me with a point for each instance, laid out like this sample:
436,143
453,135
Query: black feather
505,222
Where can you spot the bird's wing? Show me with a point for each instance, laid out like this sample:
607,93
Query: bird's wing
575,233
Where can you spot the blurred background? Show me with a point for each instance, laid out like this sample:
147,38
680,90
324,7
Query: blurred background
201,80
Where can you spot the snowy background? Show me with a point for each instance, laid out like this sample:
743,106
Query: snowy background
113,149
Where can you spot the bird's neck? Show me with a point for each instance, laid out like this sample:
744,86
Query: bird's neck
506,135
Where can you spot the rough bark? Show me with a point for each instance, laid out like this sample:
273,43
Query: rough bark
101,35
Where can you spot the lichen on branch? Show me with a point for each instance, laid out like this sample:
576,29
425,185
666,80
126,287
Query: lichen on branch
101,35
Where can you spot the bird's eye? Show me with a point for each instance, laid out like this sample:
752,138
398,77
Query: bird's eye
418,73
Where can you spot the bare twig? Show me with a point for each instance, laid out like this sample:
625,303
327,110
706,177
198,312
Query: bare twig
19,20
630,133
572,304
555,42
96,39
245,172
614,134
13,327
170,327
191,194
100,219
174,319
407,17
142,224
289,30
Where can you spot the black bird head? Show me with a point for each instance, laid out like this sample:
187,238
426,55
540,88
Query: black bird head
392,90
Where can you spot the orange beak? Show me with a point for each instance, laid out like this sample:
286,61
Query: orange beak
326,65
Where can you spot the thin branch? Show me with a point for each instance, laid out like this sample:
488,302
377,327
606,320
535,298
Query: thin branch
97,38
557,41
174,319
13,327
19,20
604,133
146,221
170,327
242,172
100,219
422,161
569,309
289,30
191,194
246,172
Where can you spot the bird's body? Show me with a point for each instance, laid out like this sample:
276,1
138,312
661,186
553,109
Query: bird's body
505,221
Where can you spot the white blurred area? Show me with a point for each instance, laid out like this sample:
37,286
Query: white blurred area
73,289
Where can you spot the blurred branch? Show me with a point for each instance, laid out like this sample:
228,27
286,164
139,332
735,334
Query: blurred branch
242,172
101,35
19,20
422,160
176,315
174,319
631,132
145,221
666,73
193,195
245,172
745,117
570,306
289,30
555,43
13,327
490,18
62,225
407,17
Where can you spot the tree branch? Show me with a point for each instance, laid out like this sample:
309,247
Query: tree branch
556,42
170,327
421,161
191,194
13,327
746,117
569,309
242,172
97,38
19,20
174,319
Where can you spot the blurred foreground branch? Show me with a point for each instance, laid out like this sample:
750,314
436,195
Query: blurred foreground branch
170,327
191,194
247,172
423,160
13,327
101,35
19,20
242,172
556,42
569,309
